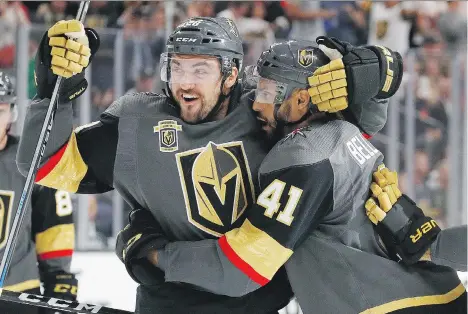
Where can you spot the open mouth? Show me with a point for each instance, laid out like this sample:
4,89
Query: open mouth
189,98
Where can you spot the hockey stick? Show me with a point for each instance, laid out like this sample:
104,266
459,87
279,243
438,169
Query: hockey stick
38,153
35,301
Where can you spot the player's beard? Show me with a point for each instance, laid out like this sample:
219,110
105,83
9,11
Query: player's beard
202,107
280,127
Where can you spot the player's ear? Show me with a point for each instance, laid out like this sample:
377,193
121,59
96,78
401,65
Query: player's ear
303,99
231,79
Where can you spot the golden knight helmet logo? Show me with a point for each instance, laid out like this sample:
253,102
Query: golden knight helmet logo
306,57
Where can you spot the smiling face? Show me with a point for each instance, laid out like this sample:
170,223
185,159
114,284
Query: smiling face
195,82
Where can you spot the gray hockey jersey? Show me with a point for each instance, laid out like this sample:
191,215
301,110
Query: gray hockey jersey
47,236
310,217
197,180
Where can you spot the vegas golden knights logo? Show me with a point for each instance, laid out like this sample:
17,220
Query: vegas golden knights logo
6,206
306,57
217,186
168,139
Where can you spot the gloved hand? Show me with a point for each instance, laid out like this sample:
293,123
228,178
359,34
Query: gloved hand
60,285
354,75
142,235
404,229
65,50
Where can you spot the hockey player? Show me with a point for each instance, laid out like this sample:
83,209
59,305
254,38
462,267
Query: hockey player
46,241
407,232
189,158
309,214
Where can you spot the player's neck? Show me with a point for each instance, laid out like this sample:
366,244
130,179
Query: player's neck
291,127
223,110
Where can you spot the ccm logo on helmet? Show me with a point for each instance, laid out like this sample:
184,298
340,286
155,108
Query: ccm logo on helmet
186,39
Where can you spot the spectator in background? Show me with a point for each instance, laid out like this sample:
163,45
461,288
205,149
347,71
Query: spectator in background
144,83
349,24
307,19
452,25
421,167
12,15
256,32
235,11
390,23
276,16
200,8
49,13
144,33
103,14
439,188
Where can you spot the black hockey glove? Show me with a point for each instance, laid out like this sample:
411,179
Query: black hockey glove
142,235
355,75
61,285
65,50
404,229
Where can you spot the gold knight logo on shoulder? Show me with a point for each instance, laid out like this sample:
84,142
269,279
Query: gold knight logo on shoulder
217,186
168,139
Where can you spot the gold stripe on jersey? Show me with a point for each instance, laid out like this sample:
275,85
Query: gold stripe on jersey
258,249
57,238
417,301
68,172
25,285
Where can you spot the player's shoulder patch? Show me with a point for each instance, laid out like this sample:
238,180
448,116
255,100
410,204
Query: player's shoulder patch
136,103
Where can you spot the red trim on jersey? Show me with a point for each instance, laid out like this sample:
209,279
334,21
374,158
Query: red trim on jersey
50,164
240,263
55,254
366,136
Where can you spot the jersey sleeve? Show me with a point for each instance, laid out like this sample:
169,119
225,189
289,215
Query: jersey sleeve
290,206
53,229
450,247
77,161
370,116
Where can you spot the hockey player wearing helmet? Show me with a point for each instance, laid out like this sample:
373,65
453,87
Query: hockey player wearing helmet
189,158
46,241
309,215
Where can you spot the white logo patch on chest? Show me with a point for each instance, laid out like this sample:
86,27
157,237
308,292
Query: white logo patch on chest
168,138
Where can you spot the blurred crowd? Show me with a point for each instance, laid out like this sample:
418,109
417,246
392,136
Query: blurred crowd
434,30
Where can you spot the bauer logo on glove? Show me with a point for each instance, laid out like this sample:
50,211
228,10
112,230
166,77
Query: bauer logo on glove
354,75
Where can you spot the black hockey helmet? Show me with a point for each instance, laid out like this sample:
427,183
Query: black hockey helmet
217,37
7,90
288,65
